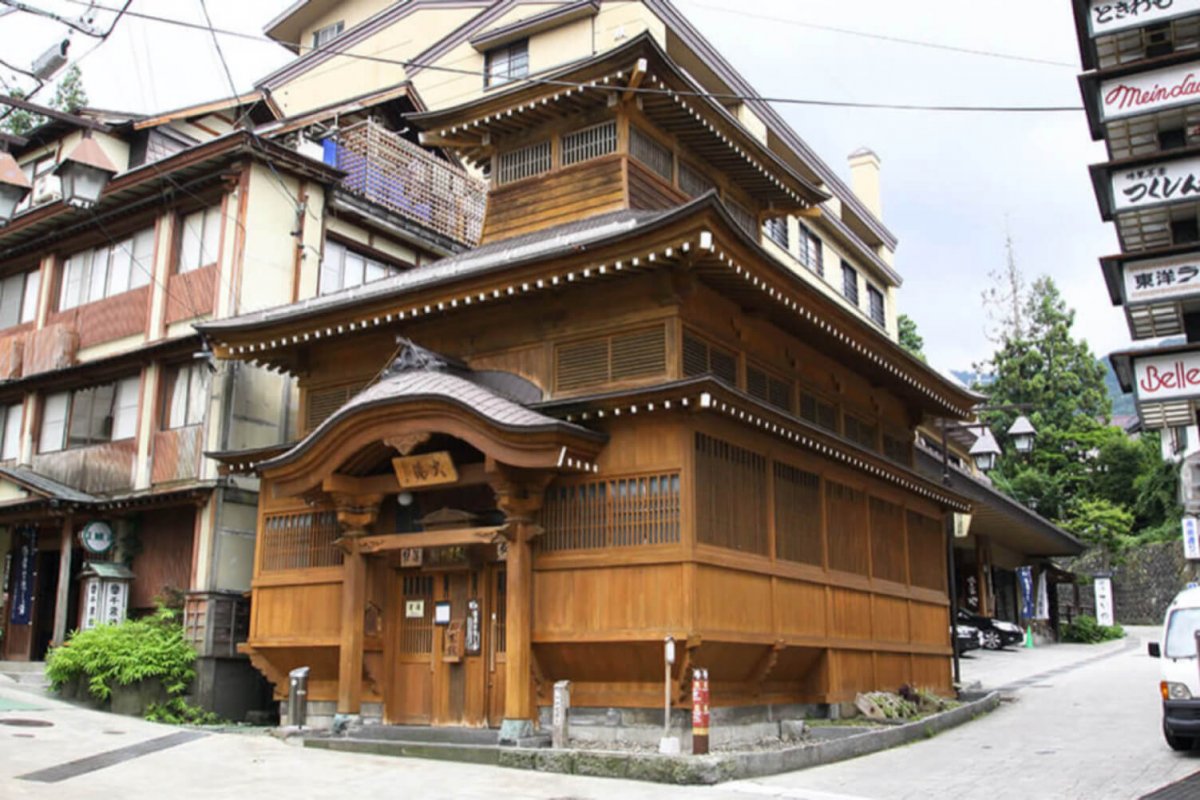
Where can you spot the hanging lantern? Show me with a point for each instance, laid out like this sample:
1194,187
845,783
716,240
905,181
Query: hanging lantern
14,187
985,451
1022,433
84,174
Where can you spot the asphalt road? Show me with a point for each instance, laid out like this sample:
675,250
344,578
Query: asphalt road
1083,722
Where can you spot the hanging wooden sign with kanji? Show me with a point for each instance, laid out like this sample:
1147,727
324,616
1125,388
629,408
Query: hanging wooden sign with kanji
426,469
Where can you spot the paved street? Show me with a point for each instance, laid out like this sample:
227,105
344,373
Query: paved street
1087,730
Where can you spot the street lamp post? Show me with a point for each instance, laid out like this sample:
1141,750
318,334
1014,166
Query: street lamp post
985,451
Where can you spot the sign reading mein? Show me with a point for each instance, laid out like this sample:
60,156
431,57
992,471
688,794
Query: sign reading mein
1145,92
427,469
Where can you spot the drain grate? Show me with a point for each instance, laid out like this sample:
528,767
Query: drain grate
17,722
1180,790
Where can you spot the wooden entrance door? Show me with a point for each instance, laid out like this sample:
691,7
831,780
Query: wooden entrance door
494,644
409,650
462,699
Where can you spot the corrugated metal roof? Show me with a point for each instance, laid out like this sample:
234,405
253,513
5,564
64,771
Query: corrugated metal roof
48,487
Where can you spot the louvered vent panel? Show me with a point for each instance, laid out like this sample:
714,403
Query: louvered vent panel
598,140
779,394
581,364
723,365
639,354
756,383
323,402
695,356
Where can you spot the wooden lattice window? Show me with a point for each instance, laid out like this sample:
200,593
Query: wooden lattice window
320,404
798,515
593,142
300,541
525,162
702,358
861,431
898,446
416,633
731,496
650,152
846,511
926,552
692,181
615,357
619,512
818,411
887,541
768,388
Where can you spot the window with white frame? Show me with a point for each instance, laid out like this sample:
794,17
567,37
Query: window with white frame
776,229
343,268
91,275
10,445
199,239
323,36
19,298
46,186
875,306
89,416
505,63
186,395
850,283
810,251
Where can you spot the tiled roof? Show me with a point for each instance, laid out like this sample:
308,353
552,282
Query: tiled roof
48,487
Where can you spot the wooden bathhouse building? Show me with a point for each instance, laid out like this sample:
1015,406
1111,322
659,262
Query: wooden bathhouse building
639,408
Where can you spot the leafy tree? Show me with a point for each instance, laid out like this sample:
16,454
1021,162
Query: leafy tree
1101,523
910,339
69,95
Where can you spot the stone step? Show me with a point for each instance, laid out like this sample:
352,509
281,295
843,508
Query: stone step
15,667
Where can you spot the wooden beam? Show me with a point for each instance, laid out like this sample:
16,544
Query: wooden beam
350,485
350,651
450,538
812,212
635,80
61,116
434,140
62,596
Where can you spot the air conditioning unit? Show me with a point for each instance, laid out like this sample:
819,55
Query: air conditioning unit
46,191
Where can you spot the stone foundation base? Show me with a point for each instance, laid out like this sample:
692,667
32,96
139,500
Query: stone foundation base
322,713
230,687
734,725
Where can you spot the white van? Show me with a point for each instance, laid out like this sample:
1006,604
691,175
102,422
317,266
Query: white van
1180,685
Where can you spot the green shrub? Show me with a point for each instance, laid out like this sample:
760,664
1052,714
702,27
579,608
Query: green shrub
178,711
1085,630
120,655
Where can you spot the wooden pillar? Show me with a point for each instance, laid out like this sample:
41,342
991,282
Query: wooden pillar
519,502
62,600
356,514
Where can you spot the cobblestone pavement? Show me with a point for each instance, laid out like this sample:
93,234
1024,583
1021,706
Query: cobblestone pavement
1083,722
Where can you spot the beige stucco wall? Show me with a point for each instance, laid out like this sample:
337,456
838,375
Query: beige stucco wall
351,12
268,263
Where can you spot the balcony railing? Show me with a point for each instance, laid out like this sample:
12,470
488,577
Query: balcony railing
391,171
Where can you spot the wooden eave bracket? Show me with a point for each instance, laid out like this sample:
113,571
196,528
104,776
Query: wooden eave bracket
432,139
635,80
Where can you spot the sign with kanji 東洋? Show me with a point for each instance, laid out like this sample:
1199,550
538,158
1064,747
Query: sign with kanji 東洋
1154,280
427,469
1191,538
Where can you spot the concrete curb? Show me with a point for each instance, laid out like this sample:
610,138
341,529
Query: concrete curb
681,770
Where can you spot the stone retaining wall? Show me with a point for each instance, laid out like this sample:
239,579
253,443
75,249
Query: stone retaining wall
1145,580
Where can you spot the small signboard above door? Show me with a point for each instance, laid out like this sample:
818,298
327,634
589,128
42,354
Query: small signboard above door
426,469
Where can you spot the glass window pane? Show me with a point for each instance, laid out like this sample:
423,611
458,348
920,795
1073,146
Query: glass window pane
11,299
177,403
98,274
211,243
353,275
331,268
189,248
12,432
376,271
1181,629
118,273
143,258
54,421
29,303
198,394
74,273
125,408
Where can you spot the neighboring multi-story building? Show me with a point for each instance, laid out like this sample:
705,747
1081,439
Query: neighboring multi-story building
1142,97
109,396
662,397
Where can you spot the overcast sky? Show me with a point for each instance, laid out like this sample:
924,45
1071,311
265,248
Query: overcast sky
953,184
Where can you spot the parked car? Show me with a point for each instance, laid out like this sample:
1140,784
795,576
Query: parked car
994,634
1179,682
966,637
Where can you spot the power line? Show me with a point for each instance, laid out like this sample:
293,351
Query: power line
718,96
886,38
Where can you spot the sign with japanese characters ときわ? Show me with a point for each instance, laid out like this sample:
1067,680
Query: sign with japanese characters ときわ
1161,279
